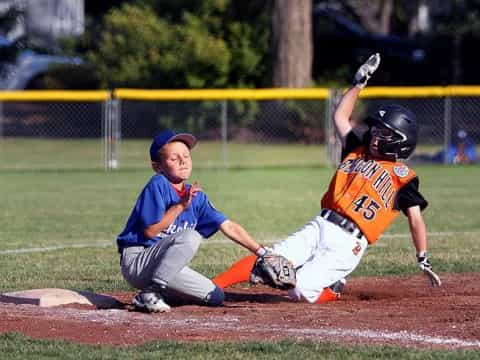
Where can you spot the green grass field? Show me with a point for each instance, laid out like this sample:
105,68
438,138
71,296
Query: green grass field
58,230
40,349
82,154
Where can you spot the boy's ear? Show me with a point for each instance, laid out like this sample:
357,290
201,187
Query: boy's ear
156,166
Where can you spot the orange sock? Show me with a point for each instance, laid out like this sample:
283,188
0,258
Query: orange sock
327,295
237,273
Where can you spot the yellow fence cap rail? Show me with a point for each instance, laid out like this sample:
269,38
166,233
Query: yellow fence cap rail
404,92
221,94
55,95
419,91
233,94
458,90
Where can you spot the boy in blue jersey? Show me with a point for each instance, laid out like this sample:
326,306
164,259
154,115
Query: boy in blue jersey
165,228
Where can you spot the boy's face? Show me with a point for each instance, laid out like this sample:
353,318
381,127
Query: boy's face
380,134
175,161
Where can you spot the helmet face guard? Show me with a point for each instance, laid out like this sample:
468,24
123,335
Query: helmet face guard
402,123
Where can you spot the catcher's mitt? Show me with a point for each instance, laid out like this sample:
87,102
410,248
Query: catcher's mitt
273,270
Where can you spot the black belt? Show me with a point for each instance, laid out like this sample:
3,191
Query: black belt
340,220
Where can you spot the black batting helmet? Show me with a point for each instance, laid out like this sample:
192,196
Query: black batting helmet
403,123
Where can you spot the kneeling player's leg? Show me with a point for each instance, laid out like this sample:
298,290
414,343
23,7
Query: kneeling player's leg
237,273
191,284
183,247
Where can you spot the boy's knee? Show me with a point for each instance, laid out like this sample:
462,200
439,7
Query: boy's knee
215,297
190,238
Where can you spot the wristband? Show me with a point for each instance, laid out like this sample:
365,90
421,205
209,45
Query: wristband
422,254
260,251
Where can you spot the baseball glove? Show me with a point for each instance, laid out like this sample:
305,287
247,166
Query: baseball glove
364,73
273,270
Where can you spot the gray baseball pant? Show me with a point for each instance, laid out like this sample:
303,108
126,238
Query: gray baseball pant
165,264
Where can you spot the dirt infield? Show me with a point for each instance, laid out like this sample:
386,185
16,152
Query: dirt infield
397,311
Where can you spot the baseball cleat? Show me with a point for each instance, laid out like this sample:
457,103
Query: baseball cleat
337,287
332,292
150,302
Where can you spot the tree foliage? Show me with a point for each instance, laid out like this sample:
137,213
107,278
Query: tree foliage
457,17
139,49
179,44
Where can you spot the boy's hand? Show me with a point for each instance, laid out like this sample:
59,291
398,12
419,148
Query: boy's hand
426,267
186,199
366,70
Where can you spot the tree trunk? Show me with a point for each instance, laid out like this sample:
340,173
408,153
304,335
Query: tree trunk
292,43
385,16
375,15
457,59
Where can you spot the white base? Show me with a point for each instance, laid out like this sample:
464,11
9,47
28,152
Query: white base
56,297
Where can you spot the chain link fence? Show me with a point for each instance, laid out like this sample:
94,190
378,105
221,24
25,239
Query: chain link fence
232,133
50,135
251,128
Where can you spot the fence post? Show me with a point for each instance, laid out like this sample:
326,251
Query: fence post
224,133
112,134
447,126
331,141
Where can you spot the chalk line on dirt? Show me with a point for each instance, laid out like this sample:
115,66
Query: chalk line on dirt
108,243
222,323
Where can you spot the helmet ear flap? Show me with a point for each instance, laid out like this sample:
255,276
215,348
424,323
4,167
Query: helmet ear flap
389,150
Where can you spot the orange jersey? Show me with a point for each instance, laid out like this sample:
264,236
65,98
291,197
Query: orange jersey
364,190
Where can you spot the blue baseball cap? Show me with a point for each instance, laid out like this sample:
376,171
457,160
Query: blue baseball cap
168,136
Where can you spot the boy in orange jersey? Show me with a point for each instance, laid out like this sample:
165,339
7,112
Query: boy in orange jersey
371,186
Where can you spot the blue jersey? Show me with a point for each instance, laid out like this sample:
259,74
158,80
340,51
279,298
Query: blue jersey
155,199
452,152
